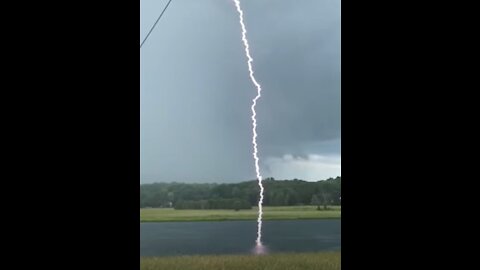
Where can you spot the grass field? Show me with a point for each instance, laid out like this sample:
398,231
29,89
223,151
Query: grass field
290,261
270,213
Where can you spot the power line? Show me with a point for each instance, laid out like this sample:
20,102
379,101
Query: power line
155,23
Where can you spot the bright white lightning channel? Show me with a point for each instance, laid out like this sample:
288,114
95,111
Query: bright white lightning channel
254,121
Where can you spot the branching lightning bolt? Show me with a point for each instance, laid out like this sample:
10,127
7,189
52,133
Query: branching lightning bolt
254,121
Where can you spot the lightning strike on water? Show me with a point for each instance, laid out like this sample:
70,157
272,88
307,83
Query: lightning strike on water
254,122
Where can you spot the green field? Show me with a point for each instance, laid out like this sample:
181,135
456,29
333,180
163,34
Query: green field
270,213
290,261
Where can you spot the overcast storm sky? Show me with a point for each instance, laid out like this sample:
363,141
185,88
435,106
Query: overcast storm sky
196,93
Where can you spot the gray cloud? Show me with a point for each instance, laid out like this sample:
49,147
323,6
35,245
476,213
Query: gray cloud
196,93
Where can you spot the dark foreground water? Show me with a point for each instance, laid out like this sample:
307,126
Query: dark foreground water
237,237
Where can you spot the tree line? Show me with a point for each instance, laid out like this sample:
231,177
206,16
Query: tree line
242,195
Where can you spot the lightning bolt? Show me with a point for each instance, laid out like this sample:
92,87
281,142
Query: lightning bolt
254,121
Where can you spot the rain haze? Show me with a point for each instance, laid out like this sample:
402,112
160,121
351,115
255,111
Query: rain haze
196,93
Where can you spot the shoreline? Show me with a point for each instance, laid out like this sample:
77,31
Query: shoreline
235,219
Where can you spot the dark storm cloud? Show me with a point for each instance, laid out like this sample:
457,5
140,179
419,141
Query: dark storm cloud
196,93
300,70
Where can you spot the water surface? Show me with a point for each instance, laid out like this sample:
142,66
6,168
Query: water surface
238,237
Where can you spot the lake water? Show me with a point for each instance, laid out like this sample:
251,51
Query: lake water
238,237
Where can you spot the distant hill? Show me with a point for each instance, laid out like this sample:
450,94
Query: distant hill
240,195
